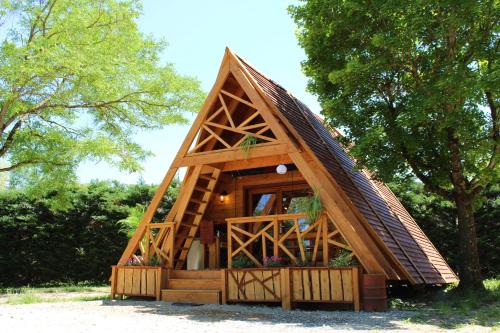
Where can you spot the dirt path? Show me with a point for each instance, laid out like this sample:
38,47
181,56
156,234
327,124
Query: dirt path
146,316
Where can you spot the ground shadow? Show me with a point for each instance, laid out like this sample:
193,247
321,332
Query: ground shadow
269,315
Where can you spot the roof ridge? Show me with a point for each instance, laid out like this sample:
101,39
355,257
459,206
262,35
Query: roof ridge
265,76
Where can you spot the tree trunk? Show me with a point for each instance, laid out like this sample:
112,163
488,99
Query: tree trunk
468,268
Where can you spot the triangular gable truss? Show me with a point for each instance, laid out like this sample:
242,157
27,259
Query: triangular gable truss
233,119
236,108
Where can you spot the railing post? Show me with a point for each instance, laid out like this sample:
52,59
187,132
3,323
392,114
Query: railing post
171,241
324,229
229,245
113,281
286,302
148,244
223,286
158,277
275,237
355,289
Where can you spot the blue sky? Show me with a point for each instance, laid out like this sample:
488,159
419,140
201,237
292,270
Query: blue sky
261,31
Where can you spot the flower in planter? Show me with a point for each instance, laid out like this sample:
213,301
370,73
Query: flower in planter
133,261
275,261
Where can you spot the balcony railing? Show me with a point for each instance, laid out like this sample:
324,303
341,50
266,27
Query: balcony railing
286,235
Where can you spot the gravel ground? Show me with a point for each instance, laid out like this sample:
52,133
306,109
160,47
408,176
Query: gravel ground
147,316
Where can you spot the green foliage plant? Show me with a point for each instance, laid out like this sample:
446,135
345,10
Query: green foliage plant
311,206
242,261
343,259
247,144
77,80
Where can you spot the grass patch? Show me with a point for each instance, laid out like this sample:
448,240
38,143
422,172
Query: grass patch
55,292
56,288
34,298
452,308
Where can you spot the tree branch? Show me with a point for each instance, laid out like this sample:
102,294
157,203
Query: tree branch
10,138
494,129
18,165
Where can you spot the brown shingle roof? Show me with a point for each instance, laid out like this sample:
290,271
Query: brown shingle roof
383,211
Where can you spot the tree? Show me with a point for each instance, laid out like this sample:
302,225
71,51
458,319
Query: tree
415,86
77,78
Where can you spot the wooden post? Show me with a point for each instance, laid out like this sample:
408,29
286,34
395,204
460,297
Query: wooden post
223,286
148,242
229,245
171,240
324,228
158,282
113,281
286,302
275,237
355,289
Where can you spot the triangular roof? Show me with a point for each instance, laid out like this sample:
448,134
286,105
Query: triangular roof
381,233
390,222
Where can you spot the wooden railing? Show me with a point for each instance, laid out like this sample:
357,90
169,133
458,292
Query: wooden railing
157,243
244,232
291,285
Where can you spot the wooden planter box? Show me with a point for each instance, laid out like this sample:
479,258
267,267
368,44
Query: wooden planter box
146,281
293,284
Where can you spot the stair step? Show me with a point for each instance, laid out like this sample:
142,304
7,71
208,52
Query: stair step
192,274
192,213
194,284
201,189
207,177
191,296
201,202
187,225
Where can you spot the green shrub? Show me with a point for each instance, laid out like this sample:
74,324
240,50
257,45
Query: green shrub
344,259
242,261
38,245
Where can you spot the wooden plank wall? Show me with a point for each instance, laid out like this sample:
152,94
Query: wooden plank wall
253,285
294,284
137,281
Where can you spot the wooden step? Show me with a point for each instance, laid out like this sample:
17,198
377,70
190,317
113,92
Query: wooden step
200,202
194,284
191,296
201,189
207,177
187,274
192,213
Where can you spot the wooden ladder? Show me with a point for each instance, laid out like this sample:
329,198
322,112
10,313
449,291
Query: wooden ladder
192,217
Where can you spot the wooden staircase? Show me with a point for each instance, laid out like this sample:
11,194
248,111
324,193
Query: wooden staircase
200,287
195,207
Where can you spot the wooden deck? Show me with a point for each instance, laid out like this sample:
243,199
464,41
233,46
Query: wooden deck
285,285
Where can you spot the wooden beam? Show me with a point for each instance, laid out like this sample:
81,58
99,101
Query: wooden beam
232,154
252,163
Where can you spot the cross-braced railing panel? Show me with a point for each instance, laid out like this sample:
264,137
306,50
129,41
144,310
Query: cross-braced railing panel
285,234
156,245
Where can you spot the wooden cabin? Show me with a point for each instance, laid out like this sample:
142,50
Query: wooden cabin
256,160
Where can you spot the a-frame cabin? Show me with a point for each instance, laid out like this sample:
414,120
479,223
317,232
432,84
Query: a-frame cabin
235,209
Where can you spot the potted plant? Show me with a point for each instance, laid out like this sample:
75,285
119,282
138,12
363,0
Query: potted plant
247,144
312,207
